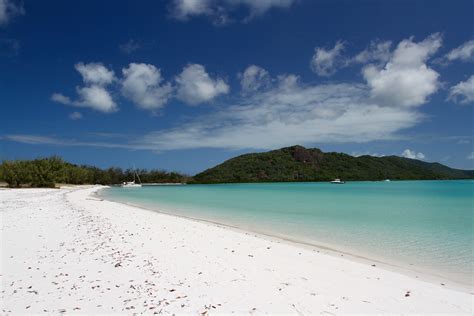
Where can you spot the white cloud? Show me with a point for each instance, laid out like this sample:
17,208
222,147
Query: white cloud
471,156
75,116
194,85
289,113
465,52
219,11
407,153
405,80
253,79
378,51
9,9
282,111
285,113
463,92
184,9
33,139
95,73
49,140
325,62
60,98
262,6
287,82
94,95
97,98
143,84
129,47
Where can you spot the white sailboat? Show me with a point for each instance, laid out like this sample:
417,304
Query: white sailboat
133,184
337,181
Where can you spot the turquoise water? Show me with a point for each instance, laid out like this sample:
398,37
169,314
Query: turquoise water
422,225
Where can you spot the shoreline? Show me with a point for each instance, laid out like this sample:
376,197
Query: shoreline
326,249
87,255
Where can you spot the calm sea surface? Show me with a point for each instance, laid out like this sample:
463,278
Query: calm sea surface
421,225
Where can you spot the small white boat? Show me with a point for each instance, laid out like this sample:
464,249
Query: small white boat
337,181
133,184
386,180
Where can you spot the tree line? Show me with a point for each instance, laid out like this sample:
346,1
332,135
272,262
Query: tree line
47,172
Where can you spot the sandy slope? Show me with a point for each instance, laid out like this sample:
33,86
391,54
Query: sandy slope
63,250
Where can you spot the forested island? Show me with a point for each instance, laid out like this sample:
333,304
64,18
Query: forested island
290,164
298,163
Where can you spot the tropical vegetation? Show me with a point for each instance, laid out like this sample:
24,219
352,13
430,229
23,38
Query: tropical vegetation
288,164
47,172
297,163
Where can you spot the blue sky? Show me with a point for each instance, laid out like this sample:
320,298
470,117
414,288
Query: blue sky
185,84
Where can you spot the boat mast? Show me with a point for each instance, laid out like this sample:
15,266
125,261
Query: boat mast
136,173
138,178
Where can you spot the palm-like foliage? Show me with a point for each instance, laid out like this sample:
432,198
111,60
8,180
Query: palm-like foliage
47,172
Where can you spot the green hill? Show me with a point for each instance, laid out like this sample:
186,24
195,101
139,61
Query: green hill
297,163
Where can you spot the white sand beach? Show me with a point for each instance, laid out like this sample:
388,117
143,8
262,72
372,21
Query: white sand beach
65,250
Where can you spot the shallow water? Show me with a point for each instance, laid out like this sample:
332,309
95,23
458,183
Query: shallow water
420,225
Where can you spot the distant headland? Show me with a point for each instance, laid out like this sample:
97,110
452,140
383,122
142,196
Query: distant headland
289,164
298,163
